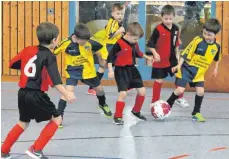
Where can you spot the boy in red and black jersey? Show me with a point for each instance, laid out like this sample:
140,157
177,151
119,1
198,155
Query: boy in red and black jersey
126,74
38,70
163,44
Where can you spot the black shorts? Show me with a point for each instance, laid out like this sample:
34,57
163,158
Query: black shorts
128,77
34,104
182,83
93,82
161,73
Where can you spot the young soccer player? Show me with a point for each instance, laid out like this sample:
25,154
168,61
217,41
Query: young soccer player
163,44
79,65
108,37
194,63
38,70
126,74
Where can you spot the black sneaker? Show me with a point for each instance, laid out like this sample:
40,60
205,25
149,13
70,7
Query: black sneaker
35,154
106,110
139,115
118,121
5,156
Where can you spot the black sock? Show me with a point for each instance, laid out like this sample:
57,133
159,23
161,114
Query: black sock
100,75
172,99
102,100
198,102
61,106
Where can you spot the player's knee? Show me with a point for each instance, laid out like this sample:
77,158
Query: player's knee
57,120
23,125
179,90
159,80
122,96
141,91
200,92
99,90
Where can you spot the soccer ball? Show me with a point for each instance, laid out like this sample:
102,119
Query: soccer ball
160,109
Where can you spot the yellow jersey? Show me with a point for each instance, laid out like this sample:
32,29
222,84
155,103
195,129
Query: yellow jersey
79,60
198,56
106,35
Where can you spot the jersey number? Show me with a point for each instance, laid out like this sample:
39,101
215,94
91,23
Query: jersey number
31,65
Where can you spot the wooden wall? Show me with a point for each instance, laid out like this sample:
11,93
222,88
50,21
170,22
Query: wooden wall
20,19
19,23
220,83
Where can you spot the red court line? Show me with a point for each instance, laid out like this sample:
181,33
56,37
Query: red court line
217,149
177,157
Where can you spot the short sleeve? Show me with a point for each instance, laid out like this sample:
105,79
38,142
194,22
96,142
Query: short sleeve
218,54
153,39
52,69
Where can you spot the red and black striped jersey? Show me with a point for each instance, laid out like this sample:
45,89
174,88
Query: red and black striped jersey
124,53
38,68
164,41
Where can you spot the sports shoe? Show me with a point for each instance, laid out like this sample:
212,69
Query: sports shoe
139,116
198,117
91,92
118,121
106,110
182,102
35,154
5,156
61,126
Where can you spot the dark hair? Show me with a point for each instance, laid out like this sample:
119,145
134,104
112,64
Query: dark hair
81,31
212,25
135,29
167,10
46,32
117,6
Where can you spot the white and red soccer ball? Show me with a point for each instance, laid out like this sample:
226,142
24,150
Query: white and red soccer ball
160,109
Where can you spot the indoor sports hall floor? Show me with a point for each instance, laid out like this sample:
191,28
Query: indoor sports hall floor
87,134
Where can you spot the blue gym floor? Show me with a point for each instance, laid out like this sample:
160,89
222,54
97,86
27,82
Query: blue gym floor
87,134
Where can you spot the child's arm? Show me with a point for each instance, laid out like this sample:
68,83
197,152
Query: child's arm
110,29
217,58
15,62
110,60
152,44
141,55
62,46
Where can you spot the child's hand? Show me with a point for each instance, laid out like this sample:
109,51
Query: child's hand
70,97
111,74
175,69
121,29
215,72
157,57
150,58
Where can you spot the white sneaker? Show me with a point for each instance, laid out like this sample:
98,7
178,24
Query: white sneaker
182,102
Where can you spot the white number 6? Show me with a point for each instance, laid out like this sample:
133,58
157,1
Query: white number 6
29,65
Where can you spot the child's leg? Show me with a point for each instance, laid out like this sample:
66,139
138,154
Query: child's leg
70,85
120,104
156,91
102,100
102,67
198,100
139,99
47,133
13,135
175,95
181,101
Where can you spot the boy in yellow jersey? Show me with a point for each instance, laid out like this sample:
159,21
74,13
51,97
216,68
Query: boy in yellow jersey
108,37
79,63
194,63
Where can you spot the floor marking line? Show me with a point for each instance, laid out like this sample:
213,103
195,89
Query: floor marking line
178,157
217,149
